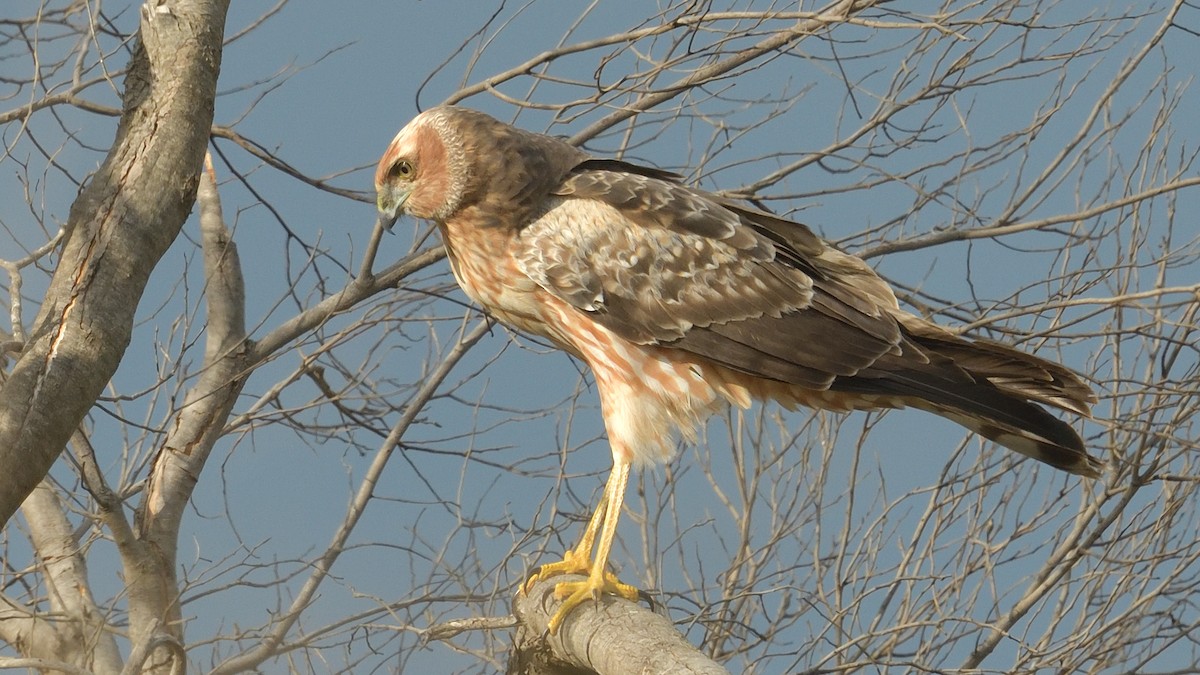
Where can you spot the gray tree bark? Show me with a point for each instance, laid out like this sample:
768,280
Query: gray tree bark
610,637
118,229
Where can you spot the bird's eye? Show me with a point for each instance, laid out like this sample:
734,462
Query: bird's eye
402,169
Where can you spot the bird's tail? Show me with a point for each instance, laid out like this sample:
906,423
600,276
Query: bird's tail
1016,424
989,388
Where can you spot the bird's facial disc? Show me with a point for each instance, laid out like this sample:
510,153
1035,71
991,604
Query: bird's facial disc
414,177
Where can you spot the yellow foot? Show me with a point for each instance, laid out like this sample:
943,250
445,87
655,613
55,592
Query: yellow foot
573,562
574,593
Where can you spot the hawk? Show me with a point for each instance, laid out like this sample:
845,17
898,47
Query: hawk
681,302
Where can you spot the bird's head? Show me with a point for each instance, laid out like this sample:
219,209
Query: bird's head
423,172
448,158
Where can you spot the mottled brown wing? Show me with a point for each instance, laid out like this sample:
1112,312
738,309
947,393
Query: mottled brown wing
660,263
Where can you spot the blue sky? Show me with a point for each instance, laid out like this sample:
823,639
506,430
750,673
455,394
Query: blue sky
326,88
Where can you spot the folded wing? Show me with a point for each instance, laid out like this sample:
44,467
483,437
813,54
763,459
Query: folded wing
660,263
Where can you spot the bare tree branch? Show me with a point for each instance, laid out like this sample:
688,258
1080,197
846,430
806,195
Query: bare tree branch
610,637
366,490
84,637
48,665
150,565
120,225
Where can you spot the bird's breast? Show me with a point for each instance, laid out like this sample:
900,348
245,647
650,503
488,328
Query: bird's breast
489,275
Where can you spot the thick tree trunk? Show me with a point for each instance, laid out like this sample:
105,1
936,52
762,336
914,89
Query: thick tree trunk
119,228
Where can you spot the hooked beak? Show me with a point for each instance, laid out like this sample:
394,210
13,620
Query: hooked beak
390,204
386,222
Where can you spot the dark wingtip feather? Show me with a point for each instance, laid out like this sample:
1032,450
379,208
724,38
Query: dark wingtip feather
1041,436
998,414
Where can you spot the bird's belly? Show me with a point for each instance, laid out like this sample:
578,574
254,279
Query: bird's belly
648,393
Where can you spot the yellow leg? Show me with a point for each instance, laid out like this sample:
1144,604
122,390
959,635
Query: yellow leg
579,561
